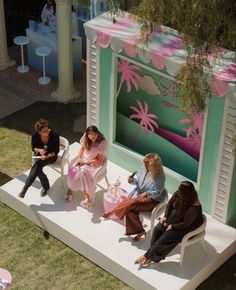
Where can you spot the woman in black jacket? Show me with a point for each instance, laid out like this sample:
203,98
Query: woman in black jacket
45,146
183,214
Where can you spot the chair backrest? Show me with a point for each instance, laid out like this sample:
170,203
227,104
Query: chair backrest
192,238
197,234
64,143
63,155
64,147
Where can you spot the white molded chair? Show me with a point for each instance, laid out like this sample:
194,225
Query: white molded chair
156,212
192,238
62,159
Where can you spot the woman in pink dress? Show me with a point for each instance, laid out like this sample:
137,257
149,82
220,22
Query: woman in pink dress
92,155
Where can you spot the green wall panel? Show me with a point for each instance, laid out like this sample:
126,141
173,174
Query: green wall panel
211,151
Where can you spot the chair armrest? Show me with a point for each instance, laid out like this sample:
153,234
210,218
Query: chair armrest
158,209
198,232
65,155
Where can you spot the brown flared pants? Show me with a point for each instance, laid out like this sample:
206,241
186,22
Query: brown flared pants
130,207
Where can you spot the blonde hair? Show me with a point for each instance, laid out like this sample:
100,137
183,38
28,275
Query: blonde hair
154,164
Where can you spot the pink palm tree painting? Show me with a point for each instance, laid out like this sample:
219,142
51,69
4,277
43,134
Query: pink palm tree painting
194,131
169,88
146,120
195,125
128,75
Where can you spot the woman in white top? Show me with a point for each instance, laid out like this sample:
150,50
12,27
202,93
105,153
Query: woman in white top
48,14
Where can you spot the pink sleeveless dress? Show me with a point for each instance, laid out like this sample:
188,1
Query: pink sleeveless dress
80,178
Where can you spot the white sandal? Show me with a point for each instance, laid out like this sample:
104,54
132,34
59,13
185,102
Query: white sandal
85,203
67,197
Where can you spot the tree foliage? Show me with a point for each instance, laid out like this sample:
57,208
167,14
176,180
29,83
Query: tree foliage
203,24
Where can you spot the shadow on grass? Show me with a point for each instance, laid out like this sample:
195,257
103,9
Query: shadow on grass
61,118
4,178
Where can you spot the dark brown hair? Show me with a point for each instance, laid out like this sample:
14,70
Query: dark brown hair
53,5
88,142
40,124
185,197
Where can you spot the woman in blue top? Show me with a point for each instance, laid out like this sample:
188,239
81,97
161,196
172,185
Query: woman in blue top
149,190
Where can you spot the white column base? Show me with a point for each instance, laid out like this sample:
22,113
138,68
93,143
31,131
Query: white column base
7,64
66,97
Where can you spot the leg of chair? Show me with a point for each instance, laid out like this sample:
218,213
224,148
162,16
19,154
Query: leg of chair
152,225
62,176
204,246
107,181
182,254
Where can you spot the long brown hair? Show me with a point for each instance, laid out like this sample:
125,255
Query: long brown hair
185,197
88,142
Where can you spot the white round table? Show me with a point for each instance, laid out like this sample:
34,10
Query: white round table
22,40
43,51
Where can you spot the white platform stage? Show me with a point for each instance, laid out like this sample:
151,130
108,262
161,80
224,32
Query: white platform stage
103,241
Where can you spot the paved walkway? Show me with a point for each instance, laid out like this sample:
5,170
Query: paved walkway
19,90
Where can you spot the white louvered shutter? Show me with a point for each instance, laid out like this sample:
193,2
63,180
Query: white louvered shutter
92,84
225,163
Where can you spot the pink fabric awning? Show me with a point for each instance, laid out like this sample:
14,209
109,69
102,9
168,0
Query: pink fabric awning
165,49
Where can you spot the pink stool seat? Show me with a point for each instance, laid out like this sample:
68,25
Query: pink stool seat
112,197
5,279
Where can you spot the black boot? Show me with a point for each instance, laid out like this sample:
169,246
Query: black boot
23,192
43,192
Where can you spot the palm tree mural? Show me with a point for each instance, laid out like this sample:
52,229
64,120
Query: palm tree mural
191,144
146,120
128,75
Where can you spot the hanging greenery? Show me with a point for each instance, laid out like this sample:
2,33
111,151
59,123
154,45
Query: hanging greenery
114,8
194,94
203,26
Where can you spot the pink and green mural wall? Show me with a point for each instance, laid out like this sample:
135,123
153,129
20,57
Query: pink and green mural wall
138,109
149,118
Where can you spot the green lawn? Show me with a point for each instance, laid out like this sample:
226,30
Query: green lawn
36,260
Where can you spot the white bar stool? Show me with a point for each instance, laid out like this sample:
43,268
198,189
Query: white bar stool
43,51
22,40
